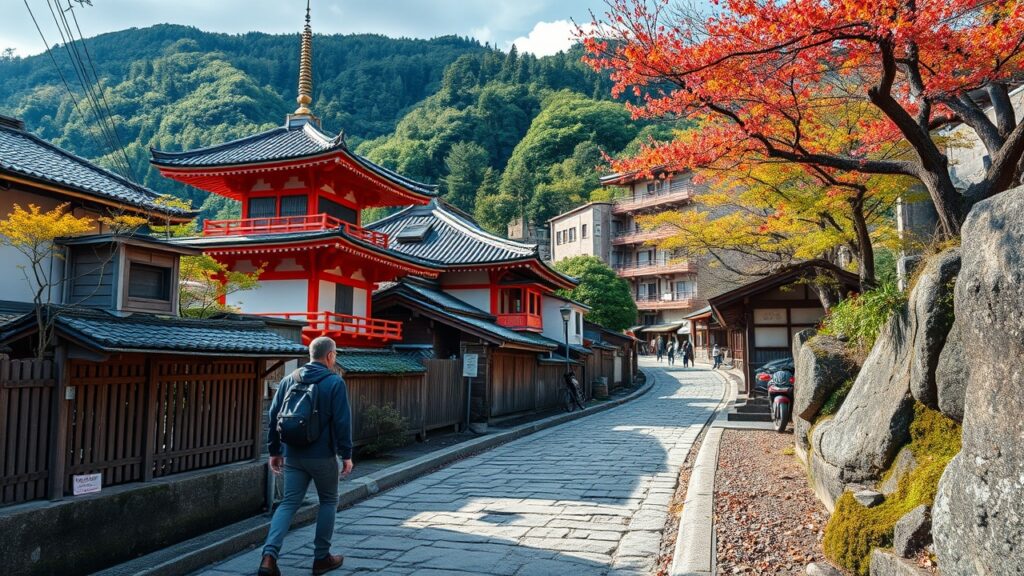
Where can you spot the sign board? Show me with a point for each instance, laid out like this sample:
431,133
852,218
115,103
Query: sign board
470,363
770,316
86,484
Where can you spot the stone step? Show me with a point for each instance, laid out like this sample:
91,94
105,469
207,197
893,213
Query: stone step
749,417
749,408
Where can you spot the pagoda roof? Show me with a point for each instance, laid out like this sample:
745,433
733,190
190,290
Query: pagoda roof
441,234
40,163
298,140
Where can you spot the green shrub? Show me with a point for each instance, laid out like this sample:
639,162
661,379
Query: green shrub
388,430
860,318
853,530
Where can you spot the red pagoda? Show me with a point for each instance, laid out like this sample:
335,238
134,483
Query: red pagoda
301,191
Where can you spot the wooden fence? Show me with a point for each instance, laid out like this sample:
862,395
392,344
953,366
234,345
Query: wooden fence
445,395
26,403
404,392
513,381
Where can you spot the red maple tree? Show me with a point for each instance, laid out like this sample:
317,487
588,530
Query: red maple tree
776,81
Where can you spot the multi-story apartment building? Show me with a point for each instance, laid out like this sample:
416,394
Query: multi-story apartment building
664,284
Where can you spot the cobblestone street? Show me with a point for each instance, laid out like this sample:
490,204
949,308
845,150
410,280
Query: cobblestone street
588,497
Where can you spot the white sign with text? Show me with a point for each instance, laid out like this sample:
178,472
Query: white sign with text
86,484
470,365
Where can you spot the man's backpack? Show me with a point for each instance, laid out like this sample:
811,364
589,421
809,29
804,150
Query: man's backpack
298,421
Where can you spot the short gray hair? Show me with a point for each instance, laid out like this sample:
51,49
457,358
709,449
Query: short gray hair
320,347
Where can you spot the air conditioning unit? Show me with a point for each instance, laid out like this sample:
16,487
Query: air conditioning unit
666,296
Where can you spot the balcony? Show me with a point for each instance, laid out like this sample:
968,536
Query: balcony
344,329
290,224
659,266
676,193
667,301
637,236
521,321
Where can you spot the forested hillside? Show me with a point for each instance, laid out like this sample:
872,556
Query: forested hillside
503,134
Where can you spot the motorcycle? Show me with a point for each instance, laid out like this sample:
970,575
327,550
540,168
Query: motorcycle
780,395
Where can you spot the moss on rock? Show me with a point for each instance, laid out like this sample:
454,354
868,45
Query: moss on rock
853,531
835,400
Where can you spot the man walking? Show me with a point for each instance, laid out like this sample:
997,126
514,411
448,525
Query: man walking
687,353
310,415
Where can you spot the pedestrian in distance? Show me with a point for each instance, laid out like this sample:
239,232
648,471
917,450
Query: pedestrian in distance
659,345
671,354
687,353
716,355
310,430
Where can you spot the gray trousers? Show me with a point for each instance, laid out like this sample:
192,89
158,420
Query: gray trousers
297,474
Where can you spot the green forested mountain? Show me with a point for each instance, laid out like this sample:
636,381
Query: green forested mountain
503,134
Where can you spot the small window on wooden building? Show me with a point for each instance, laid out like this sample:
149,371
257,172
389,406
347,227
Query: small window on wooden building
149,282
265,207
583,231
294,205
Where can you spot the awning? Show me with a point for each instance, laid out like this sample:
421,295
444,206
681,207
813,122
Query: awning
684,329
662,328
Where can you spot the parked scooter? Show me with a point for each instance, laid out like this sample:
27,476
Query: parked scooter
780,394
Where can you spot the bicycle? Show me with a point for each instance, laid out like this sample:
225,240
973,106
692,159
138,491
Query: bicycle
572,393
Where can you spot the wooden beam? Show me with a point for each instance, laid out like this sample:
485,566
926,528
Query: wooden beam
150,402
59,424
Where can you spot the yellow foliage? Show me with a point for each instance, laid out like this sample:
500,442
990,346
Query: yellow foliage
33,231
123,223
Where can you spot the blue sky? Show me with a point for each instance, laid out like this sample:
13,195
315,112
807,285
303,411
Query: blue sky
538,26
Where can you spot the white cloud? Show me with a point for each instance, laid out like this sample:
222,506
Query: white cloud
547,38
483,34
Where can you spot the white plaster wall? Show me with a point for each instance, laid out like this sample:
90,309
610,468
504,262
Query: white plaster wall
272,296
325,299
479,297
553,327
359,302
966,152
581,246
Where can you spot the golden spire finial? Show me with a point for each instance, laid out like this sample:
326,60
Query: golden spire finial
306,69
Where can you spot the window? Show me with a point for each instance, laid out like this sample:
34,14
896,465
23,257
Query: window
511,301
265,207
579,323
150,282
558,238
572,234
293,205
583,231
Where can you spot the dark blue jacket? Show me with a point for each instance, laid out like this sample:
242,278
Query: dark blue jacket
335,415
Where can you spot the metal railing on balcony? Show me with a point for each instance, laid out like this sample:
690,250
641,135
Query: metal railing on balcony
638,236
653,267
521,321
345,329
643,200
290,224
668,300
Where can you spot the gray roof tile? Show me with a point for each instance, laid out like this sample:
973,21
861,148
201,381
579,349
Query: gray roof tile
27,155
386,361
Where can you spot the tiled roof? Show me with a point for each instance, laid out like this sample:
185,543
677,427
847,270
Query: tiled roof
299,139
452,239
13,310
459,312
364,361
27,155
108,332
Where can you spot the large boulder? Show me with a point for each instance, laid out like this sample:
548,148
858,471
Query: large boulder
885,563
912,532
951,375
978,516
821,367
931,312
861,441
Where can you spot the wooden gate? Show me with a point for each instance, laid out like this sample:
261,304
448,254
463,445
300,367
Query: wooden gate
26,403
513,377
446,394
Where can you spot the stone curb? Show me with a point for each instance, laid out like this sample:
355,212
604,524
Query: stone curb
201,551
695,549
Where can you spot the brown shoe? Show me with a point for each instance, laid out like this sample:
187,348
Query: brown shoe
268,567
327,563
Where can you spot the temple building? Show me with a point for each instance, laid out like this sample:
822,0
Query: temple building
301,192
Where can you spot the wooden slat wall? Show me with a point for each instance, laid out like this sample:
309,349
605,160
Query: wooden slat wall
445,394
549,385
205,414
26,403
404,392
513,382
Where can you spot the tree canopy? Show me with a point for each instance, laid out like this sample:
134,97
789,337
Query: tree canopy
765,81
600,288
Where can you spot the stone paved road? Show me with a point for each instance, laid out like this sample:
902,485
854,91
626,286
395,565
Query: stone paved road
587,497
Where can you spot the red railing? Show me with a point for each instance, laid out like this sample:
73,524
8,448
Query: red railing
286,224
521,321
344,328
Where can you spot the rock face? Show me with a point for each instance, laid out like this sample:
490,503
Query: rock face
951,375
822,569
978,516
912,532
860,442
888,564
932,315
820,368
868,498
904,464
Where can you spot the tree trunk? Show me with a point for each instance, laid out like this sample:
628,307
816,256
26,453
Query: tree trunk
828,294
948,201
866,250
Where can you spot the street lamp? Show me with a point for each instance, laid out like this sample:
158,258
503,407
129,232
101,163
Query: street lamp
566,312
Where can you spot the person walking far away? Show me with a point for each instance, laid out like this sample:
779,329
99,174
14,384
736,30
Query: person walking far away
660,344
687,353
310,416
716,354
671,354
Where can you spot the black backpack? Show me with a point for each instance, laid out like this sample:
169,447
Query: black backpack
298,421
